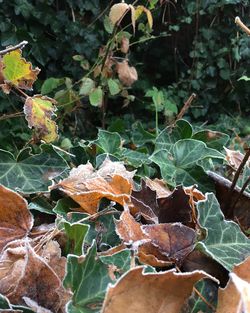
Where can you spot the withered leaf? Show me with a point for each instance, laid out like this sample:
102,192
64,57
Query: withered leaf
236,296
145,202
124,45
175,207
15,70
152,292
234,158
127,74
39,111
173,240
25,274
159,186
87,186
15,219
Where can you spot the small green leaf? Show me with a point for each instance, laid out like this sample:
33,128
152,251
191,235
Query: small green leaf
224,240
96,96
51,84
87,86
114,87
108,25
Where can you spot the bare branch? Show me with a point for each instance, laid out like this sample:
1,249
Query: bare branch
12,48
242,25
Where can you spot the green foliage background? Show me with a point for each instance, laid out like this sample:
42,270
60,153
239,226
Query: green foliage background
203,51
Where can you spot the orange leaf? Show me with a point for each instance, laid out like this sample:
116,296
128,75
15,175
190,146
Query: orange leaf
87,186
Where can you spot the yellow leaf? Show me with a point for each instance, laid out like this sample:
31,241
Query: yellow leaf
15,70
138,12
38,112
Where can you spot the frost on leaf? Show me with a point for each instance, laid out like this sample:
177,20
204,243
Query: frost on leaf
38,112
15,70
15,219
127,74
151,292
87,186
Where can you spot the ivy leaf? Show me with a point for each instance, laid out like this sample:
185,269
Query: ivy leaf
134,158
30,173
170,135
38,112
180,165
195,304
95,97
76,233
88,279
224,240
108,142
17,71
213,139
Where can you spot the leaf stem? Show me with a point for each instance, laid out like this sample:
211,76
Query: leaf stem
242,25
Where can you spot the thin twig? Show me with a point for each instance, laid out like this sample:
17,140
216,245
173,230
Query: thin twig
247,182
204,299
234,182
186,106
12,48
12,115
242,25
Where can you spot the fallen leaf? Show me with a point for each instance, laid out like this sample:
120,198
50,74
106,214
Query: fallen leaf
16,220
87,186
38,112
175,207
127,74
25,274
17,71
150,292
236,296
124,45
162,191
150,255
175,241
145,203
234,158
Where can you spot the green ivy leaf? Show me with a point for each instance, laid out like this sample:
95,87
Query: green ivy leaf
171,135
140,136
108,142
213,139
224,240
96,96
30,173
122,261
209,291
88,279
76,233
134,158
180,165
114,87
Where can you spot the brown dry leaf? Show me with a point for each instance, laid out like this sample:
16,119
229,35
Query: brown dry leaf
129,230
194,194
127,74
162,191
234,158
145,203
148,254
152,292
124,45
236,295
15,218
25,274
87,186
118,12
175,241
175,207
